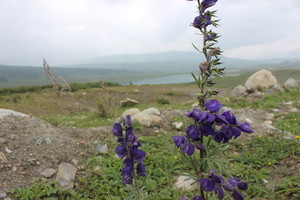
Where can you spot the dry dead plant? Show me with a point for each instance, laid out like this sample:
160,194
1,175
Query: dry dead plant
61,88
105,101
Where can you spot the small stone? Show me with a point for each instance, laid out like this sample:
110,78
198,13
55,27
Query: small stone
65,175
185,183
7,150
14,169
288,103
14,137
97,169
74,161
2,140
178,125
38,141
3,158
7,199
48,173
293,110
270,116
275,110
267,123
291,83
102,148
239,91
265,181
2,195
48,141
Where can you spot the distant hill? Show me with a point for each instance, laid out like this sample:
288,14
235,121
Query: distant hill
129,68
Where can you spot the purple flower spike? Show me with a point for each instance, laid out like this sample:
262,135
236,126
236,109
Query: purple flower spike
212,105
117,130
197,198
188,148
206,184
242,185
237,195
178,140
211,36
137,154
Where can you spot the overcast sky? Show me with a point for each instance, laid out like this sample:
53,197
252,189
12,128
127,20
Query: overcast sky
63,31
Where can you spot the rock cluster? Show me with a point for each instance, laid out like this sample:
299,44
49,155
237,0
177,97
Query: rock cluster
147,117
260,81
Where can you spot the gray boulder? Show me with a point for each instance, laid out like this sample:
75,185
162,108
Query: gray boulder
142,118
152,111
260,80
129,102
291,83
131,112
239,91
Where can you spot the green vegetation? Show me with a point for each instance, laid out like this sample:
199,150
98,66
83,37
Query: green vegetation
266,162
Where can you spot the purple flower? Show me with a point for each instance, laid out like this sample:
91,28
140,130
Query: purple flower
188,148
182,197
200,146
206,184
212,105
219,192
194,114
237,195
140,169
206,118
137,154
207,3
198,23
233,181
197,198
211,36
178,140
117,130
207,129
127,174
121,150
192,132
242,185
245,127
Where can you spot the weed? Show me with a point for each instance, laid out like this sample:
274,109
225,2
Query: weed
162,100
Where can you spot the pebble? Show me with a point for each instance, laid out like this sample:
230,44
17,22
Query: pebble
2,140
275,110
102,148
7,150
178,125
48,141
287,103
14,169
48,173
2,195
267,123
270,116
293,110
38,141
65,175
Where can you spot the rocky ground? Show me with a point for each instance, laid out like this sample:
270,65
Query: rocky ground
30,147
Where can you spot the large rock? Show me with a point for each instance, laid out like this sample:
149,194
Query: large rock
291,83
131,112
65,175
156,120
129,102
142,118
239,91
152,111
262,79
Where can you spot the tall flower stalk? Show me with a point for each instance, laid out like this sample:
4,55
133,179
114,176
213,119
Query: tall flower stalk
132,156
211,129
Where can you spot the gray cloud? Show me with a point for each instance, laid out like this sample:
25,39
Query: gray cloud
65,30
